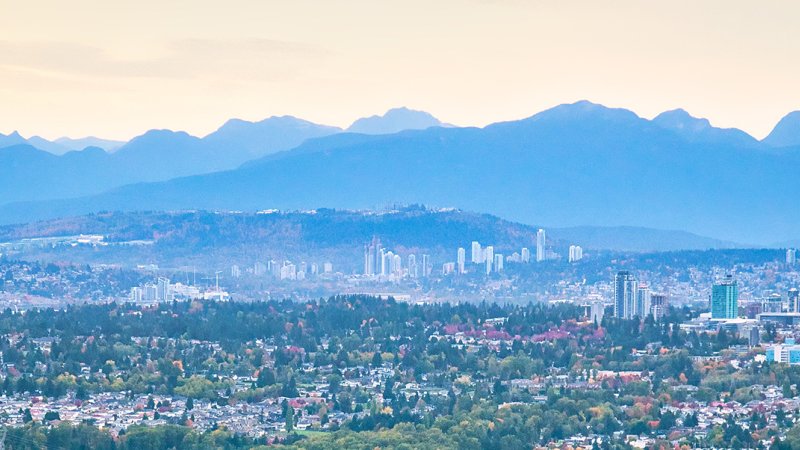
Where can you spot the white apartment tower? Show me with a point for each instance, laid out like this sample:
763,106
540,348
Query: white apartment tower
575,253
498,262
462,259
477,253
526,255
643,301
540,245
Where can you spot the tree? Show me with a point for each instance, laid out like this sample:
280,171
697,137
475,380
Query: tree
388,394
289,416
334,383
289,388
266,377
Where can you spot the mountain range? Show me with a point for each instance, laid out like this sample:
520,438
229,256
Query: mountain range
37,169
61,145
571,165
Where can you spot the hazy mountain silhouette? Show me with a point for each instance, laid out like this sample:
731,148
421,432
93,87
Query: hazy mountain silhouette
61,145
571,165
395,120
108,145
30,173
638,239
786,133
250,140
701,130
156,155
13,138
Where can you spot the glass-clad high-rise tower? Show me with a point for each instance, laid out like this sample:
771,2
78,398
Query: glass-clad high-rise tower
725,299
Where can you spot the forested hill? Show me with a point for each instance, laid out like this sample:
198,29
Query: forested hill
315,229
409,227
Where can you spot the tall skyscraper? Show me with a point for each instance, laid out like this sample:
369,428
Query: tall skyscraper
791,256
136,294
540,245
369,262
575,253
772,303
659,303
525,255
426,265
498,262
794,300
164,293
488,256
397,265
392,264
413,269
477,253
642,307
625,290
462,259
373,257
725,299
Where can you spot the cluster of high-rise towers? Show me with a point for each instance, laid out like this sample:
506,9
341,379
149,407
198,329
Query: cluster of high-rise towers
634,299
379,261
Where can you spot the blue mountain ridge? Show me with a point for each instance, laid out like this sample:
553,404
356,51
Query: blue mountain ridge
574,164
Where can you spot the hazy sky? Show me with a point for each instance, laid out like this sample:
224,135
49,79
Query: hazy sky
118,68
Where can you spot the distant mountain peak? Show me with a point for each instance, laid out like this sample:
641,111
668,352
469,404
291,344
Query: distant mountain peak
697,129
108,145
585,108
12,138
680,119
786,132
394,121
161,133
276,121
156,141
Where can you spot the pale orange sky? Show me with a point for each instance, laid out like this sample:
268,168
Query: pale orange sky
118,68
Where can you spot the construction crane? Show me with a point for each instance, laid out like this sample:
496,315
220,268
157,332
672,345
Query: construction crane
216,285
